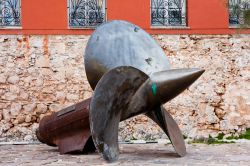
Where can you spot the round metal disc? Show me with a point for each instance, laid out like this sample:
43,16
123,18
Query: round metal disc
120,43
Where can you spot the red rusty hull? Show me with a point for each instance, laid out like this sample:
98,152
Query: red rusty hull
68,129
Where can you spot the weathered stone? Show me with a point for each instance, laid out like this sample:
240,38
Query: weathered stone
24,96
42,62
28,118
41,108
87,95
226,125
15,109
14,89
211,117
13,79
55,107
34,127
60,96
24,130
7,126
29,107
9,96
20,119
3,78
219,101
72,97
6,115
28,138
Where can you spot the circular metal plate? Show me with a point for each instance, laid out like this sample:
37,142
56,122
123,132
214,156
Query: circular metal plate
119,43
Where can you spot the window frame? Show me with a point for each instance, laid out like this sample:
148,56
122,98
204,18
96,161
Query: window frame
85,27
170,26
239,25
3,26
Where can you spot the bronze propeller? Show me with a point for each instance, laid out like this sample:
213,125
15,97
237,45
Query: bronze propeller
130,75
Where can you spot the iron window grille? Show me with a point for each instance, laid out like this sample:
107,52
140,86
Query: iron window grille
86,13
168,12
238,12
10,13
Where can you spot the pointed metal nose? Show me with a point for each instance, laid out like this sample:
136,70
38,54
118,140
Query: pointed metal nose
168,84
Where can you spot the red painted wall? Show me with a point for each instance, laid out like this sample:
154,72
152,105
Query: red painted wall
50,17
135,11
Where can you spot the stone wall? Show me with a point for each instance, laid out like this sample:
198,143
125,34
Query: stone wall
42,74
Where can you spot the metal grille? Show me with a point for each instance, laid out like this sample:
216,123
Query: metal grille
10,12
168,12
86,13
237,11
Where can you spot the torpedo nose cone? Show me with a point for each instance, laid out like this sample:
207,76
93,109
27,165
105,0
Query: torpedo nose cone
168,84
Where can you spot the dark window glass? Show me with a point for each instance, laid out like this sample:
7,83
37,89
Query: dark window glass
239,12
10,13
168,12
86,13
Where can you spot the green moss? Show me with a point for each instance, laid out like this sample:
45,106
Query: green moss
245,135
133,138
231,137
210,140
214,141
247,17
220,136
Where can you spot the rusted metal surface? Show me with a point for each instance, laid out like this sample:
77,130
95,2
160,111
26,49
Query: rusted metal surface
68,129
130,75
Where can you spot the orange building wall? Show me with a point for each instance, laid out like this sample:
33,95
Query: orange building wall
50,17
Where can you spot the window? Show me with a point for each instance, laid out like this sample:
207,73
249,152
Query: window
239,11
10,13
86,13
168,12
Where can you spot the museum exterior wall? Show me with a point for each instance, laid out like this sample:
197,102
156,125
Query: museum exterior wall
42,74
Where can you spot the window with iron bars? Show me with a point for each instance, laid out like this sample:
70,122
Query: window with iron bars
168,13
86,13
239,12
10,13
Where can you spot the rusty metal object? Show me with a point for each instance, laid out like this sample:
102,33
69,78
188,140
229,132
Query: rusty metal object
130,75
68,129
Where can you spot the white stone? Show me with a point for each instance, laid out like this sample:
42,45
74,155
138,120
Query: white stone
72,97
28,119
43,62
24,96
60,96
55,107
10,96
20,119
6,115
41,108
226,125
13,79
29,107
224,88
3,78
28,138
15,109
